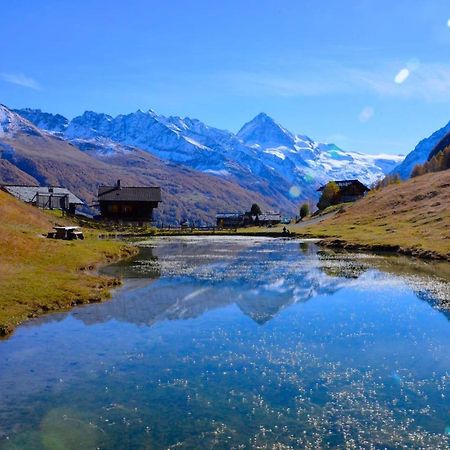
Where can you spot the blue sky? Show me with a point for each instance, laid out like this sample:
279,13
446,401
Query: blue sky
372,76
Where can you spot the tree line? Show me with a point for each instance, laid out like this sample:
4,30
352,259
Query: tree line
437,163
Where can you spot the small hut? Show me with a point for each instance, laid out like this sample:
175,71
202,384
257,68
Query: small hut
45,197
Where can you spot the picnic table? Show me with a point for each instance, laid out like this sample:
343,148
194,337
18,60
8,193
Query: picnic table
66,233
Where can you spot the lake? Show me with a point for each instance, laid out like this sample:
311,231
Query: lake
239,343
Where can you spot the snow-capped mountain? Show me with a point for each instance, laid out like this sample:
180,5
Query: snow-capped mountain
32,156
300,157
263,156
421,152
11,123
46,121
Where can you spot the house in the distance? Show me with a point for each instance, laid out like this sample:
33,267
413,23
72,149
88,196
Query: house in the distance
45,197
349,190
128,203
268,218
238,220
231,219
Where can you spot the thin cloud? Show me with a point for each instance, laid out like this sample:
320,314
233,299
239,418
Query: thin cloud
21,80
430,82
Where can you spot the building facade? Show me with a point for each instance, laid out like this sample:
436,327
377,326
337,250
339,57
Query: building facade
128,203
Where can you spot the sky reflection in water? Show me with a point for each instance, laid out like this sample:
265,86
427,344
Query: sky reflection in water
238,343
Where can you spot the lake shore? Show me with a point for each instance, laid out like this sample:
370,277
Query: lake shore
410,218
39,275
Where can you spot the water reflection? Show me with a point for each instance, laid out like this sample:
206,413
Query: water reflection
241,343
260,280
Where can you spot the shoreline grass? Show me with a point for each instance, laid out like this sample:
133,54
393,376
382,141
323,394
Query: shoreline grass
411,218
39,275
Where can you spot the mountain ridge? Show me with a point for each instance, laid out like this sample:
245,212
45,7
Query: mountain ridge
33,156
421,152
263,151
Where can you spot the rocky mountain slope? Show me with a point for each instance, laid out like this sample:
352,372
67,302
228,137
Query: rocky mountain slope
441,146
263,157
421,152
32,156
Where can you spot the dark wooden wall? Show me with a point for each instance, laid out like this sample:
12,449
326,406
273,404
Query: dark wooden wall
142,211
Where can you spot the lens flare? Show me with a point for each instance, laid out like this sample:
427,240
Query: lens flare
402,76
294,191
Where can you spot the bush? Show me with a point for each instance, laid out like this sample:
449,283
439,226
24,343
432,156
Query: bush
304,210
255,210
330,195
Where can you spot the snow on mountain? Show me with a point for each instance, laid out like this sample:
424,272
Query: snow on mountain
421,152
145,130
11,123
263,156
46,121
302,158
263,130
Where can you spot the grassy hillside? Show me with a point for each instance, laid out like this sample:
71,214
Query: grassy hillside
38,274
413,217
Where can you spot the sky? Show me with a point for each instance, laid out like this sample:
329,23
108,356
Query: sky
370,76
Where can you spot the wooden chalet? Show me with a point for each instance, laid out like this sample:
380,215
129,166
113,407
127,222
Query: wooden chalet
128,203
231,220
349,190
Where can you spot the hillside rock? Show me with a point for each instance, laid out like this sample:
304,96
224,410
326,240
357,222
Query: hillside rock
421,152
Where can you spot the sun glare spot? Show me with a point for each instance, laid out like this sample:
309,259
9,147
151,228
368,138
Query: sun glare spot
402,76
294,191
448,23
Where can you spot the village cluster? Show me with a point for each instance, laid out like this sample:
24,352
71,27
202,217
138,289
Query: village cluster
134,205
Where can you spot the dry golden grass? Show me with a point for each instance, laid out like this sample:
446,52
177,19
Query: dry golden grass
38,274
413,215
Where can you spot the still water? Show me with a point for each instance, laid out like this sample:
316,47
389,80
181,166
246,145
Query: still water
238,343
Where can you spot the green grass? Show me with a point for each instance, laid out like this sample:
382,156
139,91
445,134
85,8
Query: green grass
38,274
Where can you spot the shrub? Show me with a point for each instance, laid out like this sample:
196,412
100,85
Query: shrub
330,195
255,210
304,210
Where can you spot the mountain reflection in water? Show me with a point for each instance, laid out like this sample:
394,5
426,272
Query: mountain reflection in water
259,279
238,343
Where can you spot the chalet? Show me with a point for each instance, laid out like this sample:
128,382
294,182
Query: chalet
45,197
128,203
231,220
237,220
268,218
349,190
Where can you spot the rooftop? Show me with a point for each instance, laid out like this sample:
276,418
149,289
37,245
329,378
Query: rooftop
129,194
28,193
345,183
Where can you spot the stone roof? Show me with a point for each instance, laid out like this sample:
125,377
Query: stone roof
28,193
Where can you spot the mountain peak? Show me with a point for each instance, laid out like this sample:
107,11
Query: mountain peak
264,131
11,123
